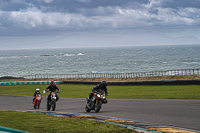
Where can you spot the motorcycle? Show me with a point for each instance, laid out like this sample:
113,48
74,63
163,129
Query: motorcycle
97,100
37,101
51,102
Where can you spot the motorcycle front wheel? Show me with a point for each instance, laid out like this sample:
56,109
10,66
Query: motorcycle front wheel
87,109
98,106
53,105
48,105
38,104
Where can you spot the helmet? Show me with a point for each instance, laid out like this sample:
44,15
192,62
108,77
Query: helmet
52,83
104,83
37,89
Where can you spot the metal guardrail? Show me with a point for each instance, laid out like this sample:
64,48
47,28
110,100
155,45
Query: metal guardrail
115,75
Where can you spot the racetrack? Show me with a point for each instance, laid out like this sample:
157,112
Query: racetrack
166,112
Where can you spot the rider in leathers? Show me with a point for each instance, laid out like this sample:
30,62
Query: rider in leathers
35,93
53,87
102,86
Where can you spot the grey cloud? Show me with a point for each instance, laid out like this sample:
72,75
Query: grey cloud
76,15
48,1
12,5
63,5
175,4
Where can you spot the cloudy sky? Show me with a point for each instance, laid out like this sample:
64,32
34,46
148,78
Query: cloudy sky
68,23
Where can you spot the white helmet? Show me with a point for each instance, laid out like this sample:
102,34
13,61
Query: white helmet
37,89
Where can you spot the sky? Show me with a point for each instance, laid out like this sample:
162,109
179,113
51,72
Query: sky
86,23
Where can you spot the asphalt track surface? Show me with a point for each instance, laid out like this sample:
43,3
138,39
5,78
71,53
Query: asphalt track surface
165,112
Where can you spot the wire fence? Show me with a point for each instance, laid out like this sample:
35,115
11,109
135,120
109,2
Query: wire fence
115,75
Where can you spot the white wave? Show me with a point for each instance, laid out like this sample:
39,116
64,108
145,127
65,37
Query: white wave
190,62
50,68
80,54
94,71
69,54
11,57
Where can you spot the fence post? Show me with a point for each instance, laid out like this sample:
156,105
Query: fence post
116,75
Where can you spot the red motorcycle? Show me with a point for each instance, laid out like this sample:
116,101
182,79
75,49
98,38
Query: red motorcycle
37,101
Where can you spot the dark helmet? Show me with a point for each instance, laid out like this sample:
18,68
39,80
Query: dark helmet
52,83
104,83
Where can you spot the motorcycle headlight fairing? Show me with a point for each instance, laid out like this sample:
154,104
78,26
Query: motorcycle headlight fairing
98,95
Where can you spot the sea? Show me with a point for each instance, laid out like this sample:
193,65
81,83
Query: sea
123,59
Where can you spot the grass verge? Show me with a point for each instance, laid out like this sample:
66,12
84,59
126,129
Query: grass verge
43,123
131,91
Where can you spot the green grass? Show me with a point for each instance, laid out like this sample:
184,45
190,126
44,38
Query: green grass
132,91
158,92
43,123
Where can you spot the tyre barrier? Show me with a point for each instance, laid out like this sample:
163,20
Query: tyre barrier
29,82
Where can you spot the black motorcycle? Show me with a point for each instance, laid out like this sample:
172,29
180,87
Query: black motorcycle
51,101
97,100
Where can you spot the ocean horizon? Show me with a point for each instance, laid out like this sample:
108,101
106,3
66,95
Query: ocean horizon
123,59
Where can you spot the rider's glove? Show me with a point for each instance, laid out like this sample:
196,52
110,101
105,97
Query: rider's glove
58,91
106,94
46,90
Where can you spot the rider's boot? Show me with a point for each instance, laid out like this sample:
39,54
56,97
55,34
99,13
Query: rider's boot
105,101
57,99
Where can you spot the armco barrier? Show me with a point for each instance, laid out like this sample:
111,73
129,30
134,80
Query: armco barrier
156,82
29,82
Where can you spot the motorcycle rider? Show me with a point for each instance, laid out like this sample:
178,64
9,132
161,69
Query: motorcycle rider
53,87
37,91
102,86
